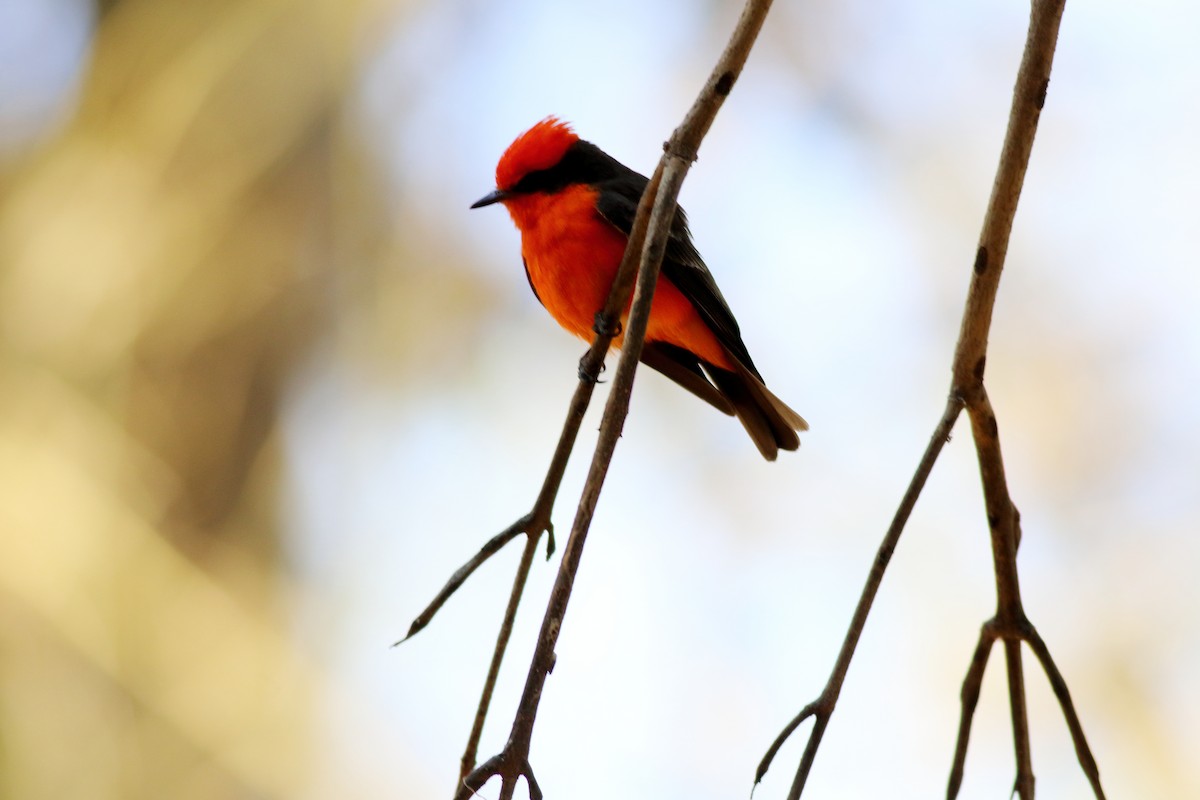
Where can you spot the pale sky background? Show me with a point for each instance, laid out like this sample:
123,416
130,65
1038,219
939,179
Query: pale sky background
837,201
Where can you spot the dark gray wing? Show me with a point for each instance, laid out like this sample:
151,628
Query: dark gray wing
684,368
682,265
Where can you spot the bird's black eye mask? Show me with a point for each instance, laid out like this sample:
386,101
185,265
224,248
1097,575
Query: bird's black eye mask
582,163
543,180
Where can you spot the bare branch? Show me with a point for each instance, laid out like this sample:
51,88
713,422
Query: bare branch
1084,753
663,191
967,390
493,546
822,707
538,521
589,368
1020,719
467,762
764,764
972,684
1013,633
1029,96
470,785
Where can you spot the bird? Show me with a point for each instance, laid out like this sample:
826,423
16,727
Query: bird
574,205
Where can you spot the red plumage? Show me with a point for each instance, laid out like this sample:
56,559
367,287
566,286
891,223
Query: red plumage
538,148
574,206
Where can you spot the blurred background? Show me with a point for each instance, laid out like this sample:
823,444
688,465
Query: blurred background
265,382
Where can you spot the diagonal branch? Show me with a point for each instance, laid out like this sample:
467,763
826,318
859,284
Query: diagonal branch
493,546
681,150
972,684
1010,622
1023,787
821,709
537,521
589,369
1057,683
967,391
1029,95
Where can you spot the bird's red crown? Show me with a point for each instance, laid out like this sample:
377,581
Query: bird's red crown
540,147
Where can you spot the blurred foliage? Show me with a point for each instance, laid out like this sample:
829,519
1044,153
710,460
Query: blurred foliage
166,260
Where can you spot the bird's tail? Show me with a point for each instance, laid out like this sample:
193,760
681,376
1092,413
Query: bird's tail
769,421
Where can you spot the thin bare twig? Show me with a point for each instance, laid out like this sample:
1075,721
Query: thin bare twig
1012,633
589,369
1010,622
538,521
972,684
967,391
493,546
1059,685
821,709
1023,785
513,762
467,762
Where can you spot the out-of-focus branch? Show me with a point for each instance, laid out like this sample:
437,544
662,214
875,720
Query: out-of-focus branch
513,762
967,391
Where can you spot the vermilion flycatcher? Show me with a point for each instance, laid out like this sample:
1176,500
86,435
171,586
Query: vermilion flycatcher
574,206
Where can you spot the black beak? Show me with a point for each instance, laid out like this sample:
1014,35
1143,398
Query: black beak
493,197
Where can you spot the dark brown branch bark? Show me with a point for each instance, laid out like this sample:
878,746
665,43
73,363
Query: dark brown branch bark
821,709
1023,786
1014,633
972,684
1059,685
538,521
513,762
967,391
467,762
589,369
493,546
1010,622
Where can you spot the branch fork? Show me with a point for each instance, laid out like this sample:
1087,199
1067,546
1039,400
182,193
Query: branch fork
642,258
1010,623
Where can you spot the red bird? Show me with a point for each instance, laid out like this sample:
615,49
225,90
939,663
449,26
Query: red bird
574,206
